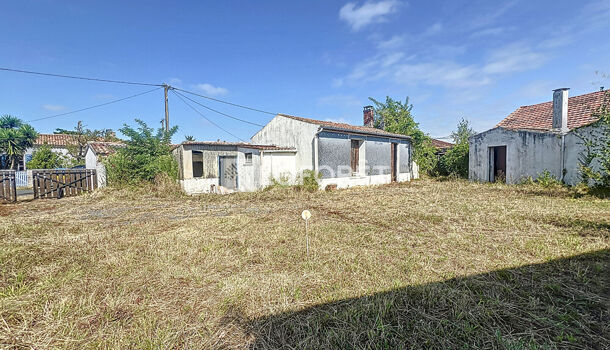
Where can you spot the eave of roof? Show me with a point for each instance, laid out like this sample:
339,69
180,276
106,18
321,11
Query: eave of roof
237,144
347,128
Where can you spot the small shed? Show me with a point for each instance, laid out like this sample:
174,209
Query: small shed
95,154
215,166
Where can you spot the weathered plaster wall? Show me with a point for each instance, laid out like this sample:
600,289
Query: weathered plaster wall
277,165
574,147
334,155
92,161
528,153
210,159
286,132
248,175
378,156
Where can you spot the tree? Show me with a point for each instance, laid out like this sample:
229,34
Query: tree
15,138
596,149
147,154
82,137
455,161
189,138
395,116
45,158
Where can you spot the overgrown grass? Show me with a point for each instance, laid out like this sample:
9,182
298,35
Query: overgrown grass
425,264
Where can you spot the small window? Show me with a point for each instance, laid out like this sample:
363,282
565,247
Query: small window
197,164
248,158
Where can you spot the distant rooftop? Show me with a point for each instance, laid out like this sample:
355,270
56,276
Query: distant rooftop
238,144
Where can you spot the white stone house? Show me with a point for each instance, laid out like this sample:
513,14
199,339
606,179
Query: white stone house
344,155
537,138
95,154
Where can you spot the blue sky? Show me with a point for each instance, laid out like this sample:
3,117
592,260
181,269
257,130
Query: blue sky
321,59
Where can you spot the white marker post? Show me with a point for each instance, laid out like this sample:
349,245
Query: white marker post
306,214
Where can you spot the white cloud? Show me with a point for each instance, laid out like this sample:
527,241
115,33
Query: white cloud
515,57
392,43
359,17
175,81
434,29
54,108
346,101
211,89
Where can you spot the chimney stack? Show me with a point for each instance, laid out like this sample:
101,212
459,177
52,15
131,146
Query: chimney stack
369,116
560,109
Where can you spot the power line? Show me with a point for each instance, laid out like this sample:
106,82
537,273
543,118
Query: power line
226,102
219,112
206,118
100,105
77,77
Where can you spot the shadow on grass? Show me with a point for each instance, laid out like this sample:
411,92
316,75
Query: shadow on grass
583,227
560,304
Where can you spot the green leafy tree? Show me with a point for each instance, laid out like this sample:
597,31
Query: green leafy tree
146,154
395,116
455,161
15,138
596,149
45,158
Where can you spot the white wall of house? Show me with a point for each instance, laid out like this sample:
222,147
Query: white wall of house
248,173
574,148
278,164
529,153
286,132
92,161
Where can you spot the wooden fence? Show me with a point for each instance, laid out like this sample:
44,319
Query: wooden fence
8,188
63,183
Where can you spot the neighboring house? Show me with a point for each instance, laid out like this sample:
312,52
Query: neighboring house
345,155
441,146
95,153
244,167
59,143
537,138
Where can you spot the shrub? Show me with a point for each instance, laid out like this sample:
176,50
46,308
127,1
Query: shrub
146,155
308,181
45,158
544,179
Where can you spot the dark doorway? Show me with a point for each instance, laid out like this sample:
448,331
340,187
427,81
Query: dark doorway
498,164
393,161
355,156
227,171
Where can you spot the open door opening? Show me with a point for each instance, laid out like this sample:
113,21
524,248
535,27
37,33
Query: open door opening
393,162
497,164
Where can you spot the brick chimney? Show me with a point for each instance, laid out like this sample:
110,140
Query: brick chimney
560,109
369,116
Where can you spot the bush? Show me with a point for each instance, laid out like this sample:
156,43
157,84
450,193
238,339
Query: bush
544,179
455,161
145,156
45,158
308,181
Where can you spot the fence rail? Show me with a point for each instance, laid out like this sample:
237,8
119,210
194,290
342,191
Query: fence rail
63,183
8,188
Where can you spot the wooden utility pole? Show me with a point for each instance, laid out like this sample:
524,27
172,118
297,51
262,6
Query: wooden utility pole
166,89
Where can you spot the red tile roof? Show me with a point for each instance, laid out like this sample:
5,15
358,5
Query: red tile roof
238,144
104,148
59,140
441,144
582,110
346,127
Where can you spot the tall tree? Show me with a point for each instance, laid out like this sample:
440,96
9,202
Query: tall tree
455,161
82,136
395,116
15,138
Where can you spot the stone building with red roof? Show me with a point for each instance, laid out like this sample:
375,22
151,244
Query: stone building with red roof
538,138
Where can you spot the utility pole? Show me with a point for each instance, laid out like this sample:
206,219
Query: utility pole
166,89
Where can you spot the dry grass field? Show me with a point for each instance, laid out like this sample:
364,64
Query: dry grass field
421,265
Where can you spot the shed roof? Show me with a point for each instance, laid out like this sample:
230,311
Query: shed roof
104,148
582,110
347,127
441,144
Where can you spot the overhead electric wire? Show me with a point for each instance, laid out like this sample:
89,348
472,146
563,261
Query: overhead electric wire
219,112
77,77
225,102
206,118
100,105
